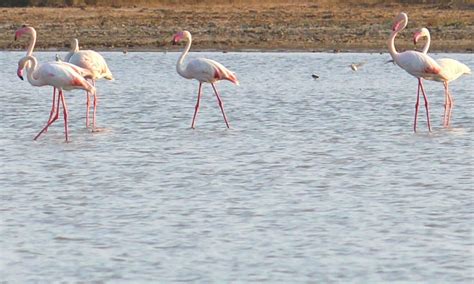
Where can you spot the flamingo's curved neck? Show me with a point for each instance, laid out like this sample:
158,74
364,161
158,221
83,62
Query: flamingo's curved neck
180,64
74,49
75,46
32,43
391,46
398,27
427,44
31,71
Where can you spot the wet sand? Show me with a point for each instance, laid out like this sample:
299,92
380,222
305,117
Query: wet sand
260,27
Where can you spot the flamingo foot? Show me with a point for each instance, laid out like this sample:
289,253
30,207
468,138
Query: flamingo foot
97,129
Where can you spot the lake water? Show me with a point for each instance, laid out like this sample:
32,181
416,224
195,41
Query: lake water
316,181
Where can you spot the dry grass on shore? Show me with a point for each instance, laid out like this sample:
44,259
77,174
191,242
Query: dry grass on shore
260,25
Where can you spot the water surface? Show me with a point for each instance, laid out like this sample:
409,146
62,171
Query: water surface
317,180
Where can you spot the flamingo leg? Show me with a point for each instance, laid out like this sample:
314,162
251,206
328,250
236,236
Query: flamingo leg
196,109
50,121
53,107
221,105
450,104
95,107
63,100
446,105
88,104
426,105
417,106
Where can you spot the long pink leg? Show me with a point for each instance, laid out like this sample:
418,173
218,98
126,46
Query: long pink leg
53,107
426,105
221,105
56,116
88,104
450,104
417,106
445,115
95,106
196,109
63,100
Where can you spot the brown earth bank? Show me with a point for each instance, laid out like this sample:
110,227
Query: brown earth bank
301,26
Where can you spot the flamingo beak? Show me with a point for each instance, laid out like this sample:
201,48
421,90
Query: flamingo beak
18,34
19,73
175,40
395,26
416,37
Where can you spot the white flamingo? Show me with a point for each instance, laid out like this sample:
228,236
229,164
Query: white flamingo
417,64
95,63
56,74
204,70
31,32
452,69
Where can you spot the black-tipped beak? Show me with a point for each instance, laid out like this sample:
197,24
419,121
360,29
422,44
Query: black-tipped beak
15,37
19,73
173,42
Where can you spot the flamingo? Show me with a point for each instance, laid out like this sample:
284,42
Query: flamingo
204,70
453,69
417,64
31,32
95,63
57,74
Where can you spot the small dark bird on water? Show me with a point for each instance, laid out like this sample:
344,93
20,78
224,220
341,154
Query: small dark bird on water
315,76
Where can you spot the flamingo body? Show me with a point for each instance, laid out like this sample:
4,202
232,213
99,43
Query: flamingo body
453,69
420,65
61,76
93,61
208,71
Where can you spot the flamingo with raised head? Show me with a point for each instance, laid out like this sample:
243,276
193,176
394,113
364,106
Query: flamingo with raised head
95,63
416,64
61,76
451,68
204,70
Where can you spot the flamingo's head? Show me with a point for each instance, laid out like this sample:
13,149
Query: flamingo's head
181,35
19,73
400,22
24,30
21,66
423,32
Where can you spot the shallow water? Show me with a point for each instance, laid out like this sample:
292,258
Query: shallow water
317,180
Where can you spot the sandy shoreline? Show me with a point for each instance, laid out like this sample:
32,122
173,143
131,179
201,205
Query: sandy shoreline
302,27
